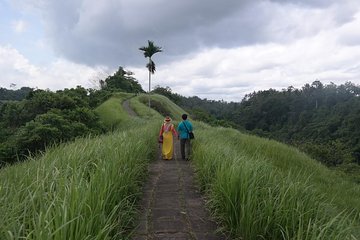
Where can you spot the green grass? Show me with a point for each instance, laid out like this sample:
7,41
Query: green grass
82,190
111,112
261,189
165,104
256,188
143,110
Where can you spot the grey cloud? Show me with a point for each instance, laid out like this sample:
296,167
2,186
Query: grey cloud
112,34
109,32
308,3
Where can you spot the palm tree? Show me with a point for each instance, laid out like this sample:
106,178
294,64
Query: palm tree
149,51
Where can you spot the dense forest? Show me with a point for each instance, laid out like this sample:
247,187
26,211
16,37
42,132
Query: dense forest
32,119
322,120
11,95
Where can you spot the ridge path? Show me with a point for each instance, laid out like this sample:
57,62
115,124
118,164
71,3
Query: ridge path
172,206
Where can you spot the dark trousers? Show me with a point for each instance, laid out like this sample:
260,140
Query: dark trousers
185,148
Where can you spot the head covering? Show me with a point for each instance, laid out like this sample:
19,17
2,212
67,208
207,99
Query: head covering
167,119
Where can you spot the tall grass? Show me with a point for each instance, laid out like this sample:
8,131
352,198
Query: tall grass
258,189
111,112
261,189
81,190
142,110
174,110
171,108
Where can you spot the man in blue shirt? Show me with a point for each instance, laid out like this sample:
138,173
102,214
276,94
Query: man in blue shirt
184,128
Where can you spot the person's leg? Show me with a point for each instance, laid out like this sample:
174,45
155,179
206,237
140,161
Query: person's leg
182,148
187,149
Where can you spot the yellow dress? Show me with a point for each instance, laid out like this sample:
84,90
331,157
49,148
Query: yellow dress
168,132
168,145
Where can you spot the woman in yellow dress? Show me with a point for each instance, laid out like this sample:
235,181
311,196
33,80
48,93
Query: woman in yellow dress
167,133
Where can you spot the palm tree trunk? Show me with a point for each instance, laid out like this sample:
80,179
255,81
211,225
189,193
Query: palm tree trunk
149,83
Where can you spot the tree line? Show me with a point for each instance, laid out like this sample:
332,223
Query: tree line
33,119
322,120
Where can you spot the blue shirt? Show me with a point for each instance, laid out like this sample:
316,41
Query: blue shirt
183,133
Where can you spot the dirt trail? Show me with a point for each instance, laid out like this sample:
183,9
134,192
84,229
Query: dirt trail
128,109
172,206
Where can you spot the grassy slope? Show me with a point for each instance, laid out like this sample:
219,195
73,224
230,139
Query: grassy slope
279,191
302,198
111,112
80,190
172,109
255,186
259,187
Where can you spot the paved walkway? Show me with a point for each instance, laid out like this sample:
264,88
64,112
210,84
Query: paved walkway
172,207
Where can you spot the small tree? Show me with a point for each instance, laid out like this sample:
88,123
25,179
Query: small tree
149,51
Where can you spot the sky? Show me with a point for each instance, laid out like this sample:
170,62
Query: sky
218,50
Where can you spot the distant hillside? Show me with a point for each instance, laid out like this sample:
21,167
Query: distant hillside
32,120
322,120
255,187
14,95
45,118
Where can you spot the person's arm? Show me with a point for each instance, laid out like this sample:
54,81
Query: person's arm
174,131
179,131
161,130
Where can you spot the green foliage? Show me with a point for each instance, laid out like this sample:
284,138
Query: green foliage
163,106
56,126
149,51
263,189
138,104
257,188
10,114
208,111
81,190
45,118
14,95
332,153
201,115
322,120
97,97
167,92
122,81
111,112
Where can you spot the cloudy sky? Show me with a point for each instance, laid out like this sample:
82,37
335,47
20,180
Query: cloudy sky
212,49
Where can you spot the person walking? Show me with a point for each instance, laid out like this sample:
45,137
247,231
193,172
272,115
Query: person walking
166,137
185,129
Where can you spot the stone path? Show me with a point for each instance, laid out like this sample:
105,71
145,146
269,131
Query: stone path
172,207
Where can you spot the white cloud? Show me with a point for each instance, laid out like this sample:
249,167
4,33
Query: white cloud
60,74
349,33
211,49
19,26
231,73
13,65
111,31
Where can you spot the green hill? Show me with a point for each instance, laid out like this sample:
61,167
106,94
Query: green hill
256,188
